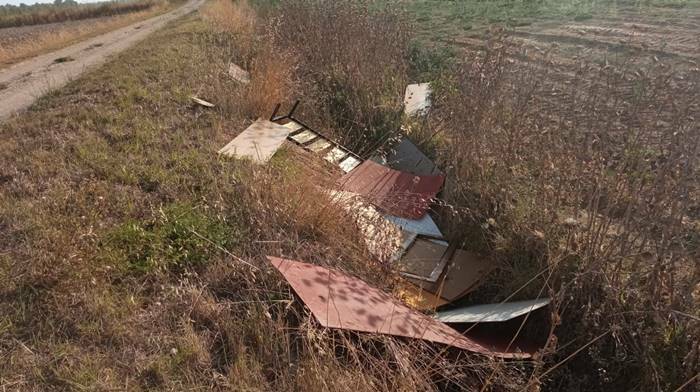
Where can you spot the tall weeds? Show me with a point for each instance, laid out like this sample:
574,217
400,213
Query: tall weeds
593,177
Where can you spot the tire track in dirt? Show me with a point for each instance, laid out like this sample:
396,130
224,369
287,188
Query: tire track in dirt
23,83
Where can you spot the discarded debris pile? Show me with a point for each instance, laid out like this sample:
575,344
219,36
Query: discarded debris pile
389,197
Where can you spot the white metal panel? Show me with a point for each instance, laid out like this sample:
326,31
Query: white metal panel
422,226
491,312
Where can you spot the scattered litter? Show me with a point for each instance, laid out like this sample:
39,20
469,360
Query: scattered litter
464,273
202,102
335,155
238,73
349,164
405,156
423,226
258,142
304,137
417,99
491,312
319,145
341,301
398,193
425,259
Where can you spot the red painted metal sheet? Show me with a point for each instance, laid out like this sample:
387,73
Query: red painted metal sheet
341,301
398,193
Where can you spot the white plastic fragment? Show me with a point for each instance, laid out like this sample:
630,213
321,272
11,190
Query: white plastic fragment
417,99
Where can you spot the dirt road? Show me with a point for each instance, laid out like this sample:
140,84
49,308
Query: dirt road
23,83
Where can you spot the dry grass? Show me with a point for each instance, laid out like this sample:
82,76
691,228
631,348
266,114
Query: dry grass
132,257
50,13
34,43
156,278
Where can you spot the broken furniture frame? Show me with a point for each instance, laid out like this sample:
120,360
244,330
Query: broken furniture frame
290,116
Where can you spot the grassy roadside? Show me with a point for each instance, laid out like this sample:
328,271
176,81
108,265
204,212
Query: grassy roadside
118,226
34,43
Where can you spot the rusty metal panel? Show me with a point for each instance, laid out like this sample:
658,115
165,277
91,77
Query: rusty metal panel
425,260
490,313
417,99
258,142
397,193
341,301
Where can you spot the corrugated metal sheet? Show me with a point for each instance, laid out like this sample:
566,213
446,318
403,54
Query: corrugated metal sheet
258,142
491,312
417,99
341,301
398,193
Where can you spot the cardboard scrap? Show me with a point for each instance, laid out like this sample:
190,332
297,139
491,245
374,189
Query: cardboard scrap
259,141
344,302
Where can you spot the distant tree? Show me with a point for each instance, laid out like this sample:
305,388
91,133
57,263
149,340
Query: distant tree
57,2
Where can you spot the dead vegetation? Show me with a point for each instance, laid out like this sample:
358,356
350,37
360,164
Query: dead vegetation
13,16
132,258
